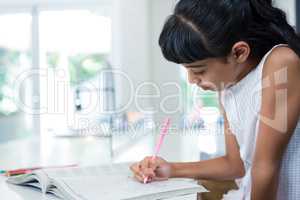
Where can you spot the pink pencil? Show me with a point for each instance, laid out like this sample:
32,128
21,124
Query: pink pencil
163,133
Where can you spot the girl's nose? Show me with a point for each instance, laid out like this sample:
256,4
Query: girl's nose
192,78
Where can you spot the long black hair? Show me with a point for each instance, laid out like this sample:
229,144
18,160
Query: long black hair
201,29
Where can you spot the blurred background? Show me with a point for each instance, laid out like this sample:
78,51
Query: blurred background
67,66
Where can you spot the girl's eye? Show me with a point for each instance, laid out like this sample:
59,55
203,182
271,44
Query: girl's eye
199,73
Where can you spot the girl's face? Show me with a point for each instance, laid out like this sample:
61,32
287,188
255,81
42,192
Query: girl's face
219,73
212,73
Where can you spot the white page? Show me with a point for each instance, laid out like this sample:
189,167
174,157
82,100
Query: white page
115,182
122,187
184,197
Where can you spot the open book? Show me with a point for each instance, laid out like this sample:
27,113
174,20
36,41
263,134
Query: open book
112,182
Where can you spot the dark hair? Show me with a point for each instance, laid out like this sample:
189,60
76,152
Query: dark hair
201,29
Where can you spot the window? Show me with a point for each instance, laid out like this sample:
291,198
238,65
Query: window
15,58
82,38
75,45
69,46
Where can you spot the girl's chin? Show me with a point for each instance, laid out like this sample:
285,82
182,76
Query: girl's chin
206,87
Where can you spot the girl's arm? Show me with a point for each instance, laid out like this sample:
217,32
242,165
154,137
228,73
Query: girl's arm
227,167
278,118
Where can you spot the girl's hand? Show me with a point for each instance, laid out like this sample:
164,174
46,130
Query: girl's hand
156,170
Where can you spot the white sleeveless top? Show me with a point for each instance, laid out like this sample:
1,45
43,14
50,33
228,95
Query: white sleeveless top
242,103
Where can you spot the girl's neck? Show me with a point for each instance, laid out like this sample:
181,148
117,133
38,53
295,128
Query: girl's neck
247,67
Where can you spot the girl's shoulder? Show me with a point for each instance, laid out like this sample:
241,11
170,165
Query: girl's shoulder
282,57
284,53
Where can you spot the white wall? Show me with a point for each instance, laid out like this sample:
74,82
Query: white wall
137,25
289,6
131,48
162,70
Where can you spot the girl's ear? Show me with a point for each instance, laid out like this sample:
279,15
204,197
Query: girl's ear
240,52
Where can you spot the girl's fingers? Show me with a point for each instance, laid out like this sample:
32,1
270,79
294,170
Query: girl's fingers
136,169
148,172
151,179
145,163
153,164
142,172
139,178
145,167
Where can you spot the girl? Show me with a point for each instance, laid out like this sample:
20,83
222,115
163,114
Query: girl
245,50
